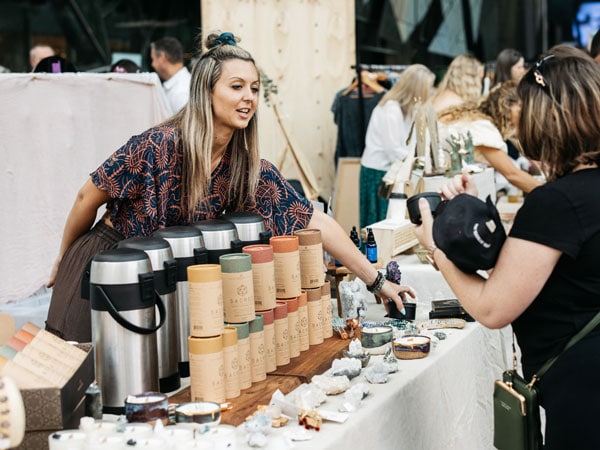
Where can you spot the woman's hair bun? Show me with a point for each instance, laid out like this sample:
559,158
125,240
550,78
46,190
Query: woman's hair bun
217,39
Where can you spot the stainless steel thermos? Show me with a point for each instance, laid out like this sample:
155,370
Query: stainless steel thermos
164,268
188,249
250,227
123,303
220,238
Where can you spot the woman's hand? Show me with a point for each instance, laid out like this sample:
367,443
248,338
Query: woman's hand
395,292
52,278
460,184
424,232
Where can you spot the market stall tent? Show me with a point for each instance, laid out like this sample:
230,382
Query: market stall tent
56,129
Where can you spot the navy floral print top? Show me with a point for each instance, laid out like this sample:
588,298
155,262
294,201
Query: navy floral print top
143,179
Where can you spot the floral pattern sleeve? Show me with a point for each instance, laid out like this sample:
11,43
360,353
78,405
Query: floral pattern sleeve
283,209
143,179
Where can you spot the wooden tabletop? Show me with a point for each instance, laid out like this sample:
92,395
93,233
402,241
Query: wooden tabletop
314,361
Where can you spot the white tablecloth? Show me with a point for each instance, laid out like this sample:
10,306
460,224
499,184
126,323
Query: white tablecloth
441,402
56,129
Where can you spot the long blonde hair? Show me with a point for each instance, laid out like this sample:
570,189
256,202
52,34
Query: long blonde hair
463,77
195,121
413,85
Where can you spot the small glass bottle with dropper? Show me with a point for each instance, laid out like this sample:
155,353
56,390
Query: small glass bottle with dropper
371,246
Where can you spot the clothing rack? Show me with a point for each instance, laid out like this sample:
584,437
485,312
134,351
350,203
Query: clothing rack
370,67
380,67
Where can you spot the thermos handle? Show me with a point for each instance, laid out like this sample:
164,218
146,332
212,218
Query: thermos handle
236,246
128,325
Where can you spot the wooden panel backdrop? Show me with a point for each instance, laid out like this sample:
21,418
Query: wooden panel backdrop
307,48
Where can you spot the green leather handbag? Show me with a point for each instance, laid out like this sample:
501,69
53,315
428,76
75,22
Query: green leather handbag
516,403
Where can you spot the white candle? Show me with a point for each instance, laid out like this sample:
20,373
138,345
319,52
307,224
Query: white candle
114,441
196,445
67,440
177,434
137,430
148,443
223,437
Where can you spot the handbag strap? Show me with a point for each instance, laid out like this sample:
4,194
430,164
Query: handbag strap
574,340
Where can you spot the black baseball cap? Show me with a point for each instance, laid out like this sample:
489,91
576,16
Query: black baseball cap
469,231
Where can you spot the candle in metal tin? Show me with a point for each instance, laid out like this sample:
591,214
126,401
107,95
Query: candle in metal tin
204,413
374,340
411,346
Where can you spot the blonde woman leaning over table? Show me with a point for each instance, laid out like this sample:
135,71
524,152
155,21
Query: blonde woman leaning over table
546,281
491,122
202,162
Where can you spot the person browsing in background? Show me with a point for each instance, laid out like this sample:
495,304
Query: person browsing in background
166,54
510,65
39,52
125,66
546,281
202,162
386,138
462,82
490,122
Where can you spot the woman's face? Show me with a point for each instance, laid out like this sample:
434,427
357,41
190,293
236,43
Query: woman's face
518,70
235,95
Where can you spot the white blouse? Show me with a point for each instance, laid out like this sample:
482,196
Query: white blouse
385,141
483,131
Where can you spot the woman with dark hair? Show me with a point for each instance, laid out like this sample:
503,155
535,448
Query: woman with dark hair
199,164
546,281
510,65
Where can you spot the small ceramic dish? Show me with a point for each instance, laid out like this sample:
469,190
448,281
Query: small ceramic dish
147,407
411,346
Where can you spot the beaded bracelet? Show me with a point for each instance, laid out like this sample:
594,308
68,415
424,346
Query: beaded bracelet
377,284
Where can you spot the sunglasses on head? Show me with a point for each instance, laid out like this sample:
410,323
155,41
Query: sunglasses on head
536,74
